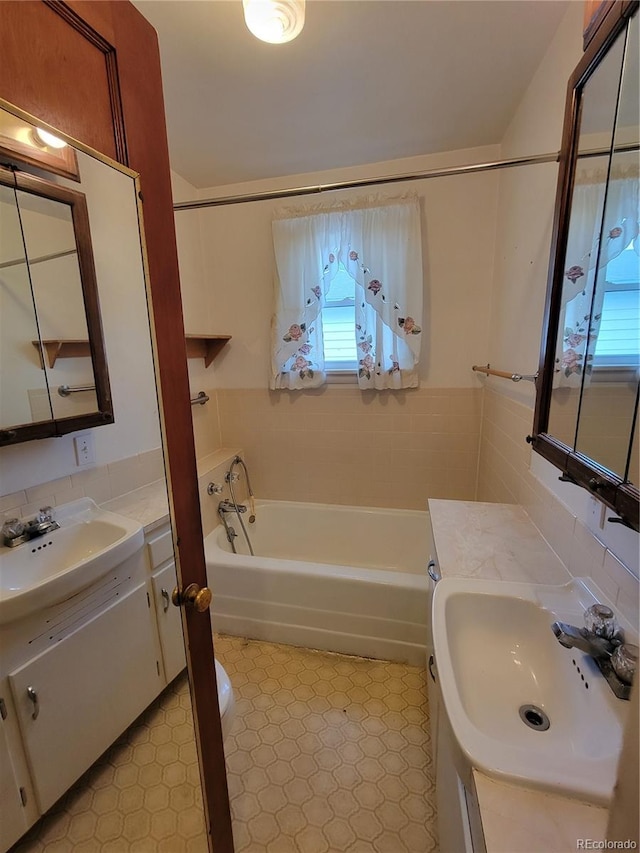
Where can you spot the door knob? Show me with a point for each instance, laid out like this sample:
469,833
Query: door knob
200,599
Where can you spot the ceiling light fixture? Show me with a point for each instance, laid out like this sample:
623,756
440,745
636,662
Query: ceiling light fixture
274,21
44,138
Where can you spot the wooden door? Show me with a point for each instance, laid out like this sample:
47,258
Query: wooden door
92,70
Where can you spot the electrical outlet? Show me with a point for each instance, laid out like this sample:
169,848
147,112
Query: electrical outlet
85,449
596,514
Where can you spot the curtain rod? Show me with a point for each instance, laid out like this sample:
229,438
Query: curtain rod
367,182
392,179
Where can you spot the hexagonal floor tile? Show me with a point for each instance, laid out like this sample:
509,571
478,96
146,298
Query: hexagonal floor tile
328,754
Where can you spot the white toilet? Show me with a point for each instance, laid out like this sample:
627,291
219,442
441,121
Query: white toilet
226,700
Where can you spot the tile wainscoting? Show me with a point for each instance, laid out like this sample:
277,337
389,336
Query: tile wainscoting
341,445
101,483
504,476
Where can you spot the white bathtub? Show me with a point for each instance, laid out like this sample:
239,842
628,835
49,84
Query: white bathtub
344,579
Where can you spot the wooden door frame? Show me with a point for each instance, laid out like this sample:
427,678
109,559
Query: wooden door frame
138,140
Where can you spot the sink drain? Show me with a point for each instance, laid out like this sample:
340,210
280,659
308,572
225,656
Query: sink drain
534,717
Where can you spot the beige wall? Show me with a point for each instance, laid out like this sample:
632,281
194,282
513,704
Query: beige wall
234,295
486,241
196,308
606,417
510,473
339,444
571,520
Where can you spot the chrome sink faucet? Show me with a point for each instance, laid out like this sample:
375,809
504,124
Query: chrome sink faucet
603,641
14,531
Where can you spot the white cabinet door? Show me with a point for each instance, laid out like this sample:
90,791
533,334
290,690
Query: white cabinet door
169,622
77,697
13,819
453,819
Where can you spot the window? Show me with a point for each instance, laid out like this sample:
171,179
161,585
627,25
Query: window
339,324
348,296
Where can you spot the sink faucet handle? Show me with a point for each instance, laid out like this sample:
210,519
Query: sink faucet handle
624,661
599,620
45,514
11,529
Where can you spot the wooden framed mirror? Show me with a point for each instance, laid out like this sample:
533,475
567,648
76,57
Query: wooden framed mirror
586,416
56,379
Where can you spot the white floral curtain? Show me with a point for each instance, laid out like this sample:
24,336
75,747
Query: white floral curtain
586,260
379,244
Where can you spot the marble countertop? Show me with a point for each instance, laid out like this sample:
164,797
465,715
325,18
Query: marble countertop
500,542
148,505
492,541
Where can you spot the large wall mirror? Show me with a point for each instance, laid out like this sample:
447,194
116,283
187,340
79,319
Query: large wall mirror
73,312
54,368
587,403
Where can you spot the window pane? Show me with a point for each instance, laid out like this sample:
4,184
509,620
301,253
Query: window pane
618,341
342,287
338,326
339,323
619,328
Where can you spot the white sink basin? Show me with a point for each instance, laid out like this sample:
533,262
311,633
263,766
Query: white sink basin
495,653
53,567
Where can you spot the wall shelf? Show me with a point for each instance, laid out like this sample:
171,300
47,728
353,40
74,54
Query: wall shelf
205,346
56,349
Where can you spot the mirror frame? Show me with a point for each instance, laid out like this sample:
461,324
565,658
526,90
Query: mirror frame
608,487
80,217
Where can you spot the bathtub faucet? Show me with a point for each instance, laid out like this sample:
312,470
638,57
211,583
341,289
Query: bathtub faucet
228,506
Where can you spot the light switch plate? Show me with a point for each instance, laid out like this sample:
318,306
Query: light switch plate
85,449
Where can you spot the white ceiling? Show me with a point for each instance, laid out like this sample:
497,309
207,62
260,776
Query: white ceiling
366,81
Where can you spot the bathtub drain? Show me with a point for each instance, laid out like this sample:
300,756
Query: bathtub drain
534,717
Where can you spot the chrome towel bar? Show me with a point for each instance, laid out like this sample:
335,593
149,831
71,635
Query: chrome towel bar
514,377
200,399
65,390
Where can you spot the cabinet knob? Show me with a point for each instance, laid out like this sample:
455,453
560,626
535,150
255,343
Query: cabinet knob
33,696
198,598
165,599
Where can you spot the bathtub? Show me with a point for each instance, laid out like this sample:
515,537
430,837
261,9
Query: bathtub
337,578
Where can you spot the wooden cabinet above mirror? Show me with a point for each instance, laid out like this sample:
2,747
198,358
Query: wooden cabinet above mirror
587,402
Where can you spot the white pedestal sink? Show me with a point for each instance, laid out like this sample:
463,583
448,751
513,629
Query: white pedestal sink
43,571
504,676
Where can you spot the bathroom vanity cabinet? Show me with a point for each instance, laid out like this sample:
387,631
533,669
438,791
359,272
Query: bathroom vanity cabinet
496,542
77,674
459,822
163,580
14,817
66,722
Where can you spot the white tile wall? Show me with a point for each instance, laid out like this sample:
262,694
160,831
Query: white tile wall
505,476
101,483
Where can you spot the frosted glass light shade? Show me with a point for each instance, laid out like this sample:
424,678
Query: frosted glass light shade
274,21
43,137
